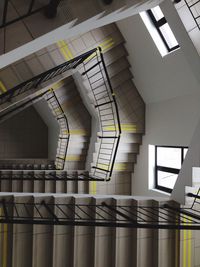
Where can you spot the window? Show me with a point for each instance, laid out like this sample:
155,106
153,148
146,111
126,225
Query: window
159,29
168,161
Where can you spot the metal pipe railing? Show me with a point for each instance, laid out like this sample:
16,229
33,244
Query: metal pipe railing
105,101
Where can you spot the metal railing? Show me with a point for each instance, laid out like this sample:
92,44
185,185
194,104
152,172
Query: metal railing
103,215
19,106
194,8
64,135
30,7
106,106
34,82
43,175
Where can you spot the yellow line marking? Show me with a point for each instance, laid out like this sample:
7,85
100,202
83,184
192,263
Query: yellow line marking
74,157
93,187
107,46
184,246
106,42
62,50
58,85
65,50
124,128
76,132
2,87
90,57
103,166
177,247
5,242
189,246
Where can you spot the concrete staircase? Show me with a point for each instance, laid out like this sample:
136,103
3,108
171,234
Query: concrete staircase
130,105
52,245
43,181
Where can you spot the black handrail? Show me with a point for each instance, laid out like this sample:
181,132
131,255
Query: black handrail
43,175
194,10
18,106
30,10
101,170
64,140
105,101
34,82
97,215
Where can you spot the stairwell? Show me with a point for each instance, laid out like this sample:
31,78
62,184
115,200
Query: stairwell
130,104
78,245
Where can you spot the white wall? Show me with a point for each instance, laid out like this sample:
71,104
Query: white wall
170,122
53,127
169,86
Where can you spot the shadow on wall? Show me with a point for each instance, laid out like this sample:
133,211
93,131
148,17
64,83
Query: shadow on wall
25,135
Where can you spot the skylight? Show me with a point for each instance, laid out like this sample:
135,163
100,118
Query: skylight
159,30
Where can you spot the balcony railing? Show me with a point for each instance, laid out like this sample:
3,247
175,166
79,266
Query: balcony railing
103,215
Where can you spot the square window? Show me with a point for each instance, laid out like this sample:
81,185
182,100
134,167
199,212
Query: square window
168,161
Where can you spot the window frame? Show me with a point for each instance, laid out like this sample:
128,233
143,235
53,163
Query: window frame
166,169
159,23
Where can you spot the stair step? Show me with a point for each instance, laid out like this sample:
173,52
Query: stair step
120,157
125,137
63,237
126,239
118,166
42,238
22,239
84,236
105,241
123,147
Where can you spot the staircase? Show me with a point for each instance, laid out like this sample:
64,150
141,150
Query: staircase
81,230
131,115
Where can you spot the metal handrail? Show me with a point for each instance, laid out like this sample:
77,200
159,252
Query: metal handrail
108,103
88,58
34,82
20,106
190,6
29,11
43,175
97,215
63,140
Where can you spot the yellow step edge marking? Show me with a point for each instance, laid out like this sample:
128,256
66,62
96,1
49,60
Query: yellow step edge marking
184,245
177,240
107,47
58,85
65,50
107,44
77,132
74,157
62,50
5,245
124,128
90,57
104,43
103,166
2,88
93,188
189,247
